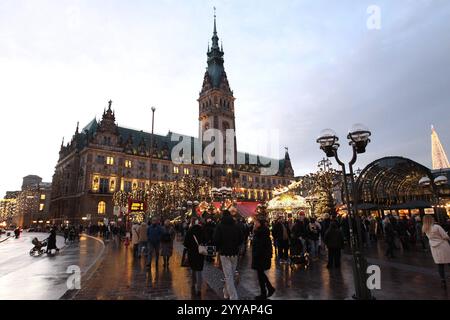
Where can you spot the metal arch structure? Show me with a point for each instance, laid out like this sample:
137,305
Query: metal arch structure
392,180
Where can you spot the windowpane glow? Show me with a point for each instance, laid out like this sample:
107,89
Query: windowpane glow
101,207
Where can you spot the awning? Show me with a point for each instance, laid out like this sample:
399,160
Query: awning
416,204
247,209
367,206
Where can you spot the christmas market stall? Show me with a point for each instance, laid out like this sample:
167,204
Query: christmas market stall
287,205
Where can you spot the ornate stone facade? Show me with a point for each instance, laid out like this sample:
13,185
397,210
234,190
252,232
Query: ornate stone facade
104,158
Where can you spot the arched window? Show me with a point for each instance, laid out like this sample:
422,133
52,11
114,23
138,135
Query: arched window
101,207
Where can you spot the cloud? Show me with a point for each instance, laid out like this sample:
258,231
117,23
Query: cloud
296,67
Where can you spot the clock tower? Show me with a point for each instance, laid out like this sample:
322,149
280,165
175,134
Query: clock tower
216,101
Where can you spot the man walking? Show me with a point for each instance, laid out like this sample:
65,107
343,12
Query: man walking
334,240
154,233
228,238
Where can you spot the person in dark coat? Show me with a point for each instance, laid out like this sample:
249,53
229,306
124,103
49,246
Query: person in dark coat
334,241
402,228
325,224
51,241
209,234
281,234
195,236
299,234
262,257
228,238
389,234
154,233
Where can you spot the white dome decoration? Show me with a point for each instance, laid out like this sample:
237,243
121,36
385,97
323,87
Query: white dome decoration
424,181
441,180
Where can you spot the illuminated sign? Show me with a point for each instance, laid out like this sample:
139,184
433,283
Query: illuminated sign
135,206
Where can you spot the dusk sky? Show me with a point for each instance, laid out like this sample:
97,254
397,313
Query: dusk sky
294,66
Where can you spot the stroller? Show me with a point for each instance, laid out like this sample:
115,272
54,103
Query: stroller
38,248
297,259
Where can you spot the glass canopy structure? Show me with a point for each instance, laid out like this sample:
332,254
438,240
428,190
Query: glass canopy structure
392,183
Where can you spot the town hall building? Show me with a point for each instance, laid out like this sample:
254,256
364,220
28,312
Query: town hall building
103,158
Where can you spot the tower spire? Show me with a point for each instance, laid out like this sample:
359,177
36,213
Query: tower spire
438,156
215,57
215,38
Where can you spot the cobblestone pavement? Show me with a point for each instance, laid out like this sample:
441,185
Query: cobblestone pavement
412,275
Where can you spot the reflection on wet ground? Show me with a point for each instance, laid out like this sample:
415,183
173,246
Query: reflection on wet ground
410,276
44,277
121,276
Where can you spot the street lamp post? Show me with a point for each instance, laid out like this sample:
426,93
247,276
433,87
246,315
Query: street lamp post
151,144
324,164
435,185
151,153
358,139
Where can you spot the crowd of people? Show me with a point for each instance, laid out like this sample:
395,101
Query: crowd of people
229,234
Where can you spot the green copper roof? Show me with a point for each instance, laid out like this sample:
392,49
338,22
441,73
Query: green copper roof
215,59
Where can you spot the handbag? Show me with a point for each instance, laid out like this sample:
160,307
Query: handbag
201,249
205,250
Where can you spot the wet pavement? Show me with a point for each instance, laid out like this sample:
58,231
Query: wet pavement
120,276
43,277
109,271
412,275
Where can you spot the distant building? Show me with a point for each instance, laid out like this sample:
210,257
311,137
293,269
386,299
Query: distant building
31,181
31,205
8,208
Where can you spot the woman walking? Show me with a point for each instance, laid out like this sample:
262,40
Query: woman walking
261,257
135,239
440,248
195,236
51,244
167,237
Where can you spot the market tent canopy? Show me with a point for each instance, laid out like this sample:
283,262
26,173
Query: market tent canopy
287,201
245,208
